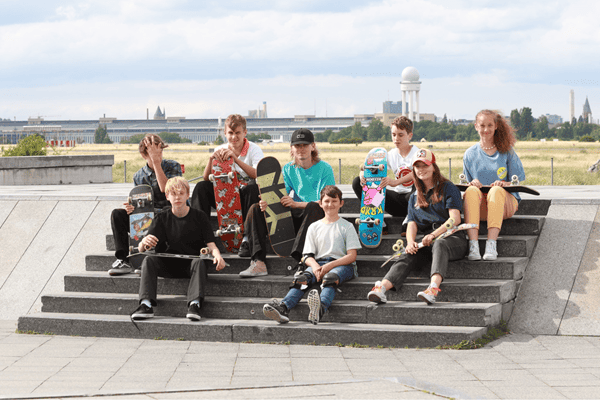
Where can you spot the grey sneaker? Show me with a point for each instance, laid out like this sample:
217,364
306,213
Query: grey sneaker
377,294
276,311
120,267
474,254
314,305
490,250
254,270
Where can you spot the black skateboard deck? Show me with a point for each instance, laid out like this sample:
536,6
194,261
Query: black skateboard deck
142,215
280,225
509,189
204,254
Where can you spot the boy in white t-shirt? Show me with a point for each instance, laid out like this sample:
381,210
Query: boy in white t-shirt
329,255
246,156
400,161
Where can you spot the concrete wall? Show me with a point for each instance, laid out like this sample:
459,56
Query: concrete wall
55,170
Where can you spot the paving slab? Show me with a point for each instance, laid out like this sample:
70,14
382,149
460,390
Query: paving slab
582,314
544,293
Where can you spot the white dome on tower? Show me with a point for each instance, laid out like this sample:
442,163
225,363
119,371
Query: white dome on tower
410,74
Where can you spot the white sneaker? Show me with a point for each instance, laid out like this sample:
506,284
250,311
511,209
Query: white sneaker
490,250
254,270
314,305
474,253
377,293
429,295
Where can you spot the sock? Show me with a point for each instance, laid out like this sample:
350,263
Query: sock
197,302
433,285
147,303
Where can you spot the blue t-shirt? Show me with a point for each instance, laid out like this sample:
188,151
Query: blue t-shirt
307,183
477,164
437,213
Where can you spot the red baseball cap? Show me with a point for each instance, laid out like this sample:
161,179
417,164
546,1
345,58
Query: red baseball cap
426,156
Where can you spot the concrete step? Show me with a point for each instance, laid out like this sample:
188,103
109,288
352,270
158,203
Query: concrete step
453,290
508,245
243,330
368,265
348,311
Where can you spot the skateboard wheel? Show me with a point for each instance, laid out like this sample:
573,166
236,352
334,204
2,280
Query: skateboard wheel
514,180
396,247
231,175
289,267
362,167
238,230
377,222
130,201
211,177
218,233
362,174
204,251
381,167
357,221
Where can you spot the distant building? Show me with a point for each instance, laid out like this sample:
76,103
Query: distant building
389,107
587,111
553,119
159,115
260,113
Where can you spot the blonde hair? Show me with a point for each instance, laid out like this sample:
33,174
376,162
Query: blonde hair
177,183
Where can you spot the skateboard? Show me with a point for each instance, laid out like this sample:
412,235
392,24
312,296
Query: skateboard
229,209
280,225
514,186
399,248
370,222
140,219
204,254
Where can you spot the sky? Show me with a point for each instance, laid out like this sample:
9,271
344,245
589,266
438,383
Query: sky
83,59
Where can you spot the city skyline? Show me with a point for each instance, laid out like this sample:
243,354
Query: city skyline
85,59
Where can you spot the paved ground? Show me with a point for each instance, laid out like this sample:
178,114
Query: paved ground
515,367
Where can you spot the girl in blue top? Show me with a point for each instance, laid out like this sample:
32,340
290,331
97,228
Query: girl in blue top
493,162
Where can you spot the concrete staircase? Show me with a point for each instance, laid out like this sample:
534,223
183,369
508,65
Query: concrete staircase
475,296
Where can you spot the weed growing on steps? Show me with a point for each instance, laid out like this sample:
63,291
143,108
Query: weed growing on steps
34,333
493,334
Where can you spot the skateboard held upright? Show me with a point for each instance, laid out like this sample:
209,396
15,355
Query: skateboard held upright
140,219
280,225
370,222
229,209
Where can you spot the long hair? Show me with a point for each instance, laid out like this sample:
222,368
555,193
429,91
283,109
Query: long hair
437,196
314,155
504,137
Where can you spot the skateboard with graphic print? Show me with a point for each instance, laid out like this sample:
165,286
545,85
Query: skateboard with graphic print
229,209
280,225
370,222
140,219
514,186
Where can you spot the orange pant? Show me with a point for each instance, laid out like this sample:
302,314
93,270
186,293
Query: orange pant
494,207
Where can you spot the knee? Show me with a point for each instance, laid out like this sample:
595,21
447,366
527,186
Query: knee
472,193
331,279
496,191
118,214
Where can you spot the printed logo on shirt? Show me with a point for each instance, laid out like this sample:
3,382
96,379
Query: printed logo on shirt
502,172
403,171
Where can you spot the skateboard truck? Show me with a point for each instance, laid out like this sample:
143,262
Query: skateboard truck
230,229
514,180
369,221
463,179
229,176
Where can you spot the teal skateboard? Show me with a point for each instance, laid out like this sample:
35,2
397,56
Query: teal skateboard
370,222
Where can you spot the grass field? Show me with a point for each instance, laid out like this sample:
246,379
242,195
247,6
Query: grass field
571,159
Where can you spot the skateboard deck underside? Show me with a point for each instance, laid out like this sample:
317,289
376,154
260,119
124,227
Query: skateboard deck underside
141,217
229,208
280,225
373,199
509,189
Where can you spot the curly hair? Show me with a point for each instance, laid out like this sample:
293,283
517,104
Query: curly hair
504,137
436,197
403,123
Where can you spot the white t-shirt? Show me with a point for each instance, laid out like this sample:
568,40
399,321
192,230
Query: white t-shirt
402,166
331,240
252,157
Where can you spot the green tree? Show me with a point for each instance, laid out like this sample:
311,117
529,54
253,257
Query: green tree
323,136
358,132
101,135
377,131
219,140
540,128
172,137
32,145
135,139
515,121
253,137
445,119
526,121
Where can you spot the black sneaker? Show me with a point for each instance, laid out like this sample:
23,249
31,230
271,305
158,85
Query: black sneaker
276,311
143,312
244,249
194,312
120,267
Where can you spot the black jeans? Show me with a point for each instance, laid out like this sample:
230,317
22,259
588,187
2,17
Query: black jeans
153,267
203,197
396,204
255,227
437,256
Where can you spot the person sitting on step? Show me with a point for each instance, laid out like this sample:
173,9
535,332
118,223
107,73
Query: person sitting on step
329,255
155,173
180,230
304,177
434,202
493,162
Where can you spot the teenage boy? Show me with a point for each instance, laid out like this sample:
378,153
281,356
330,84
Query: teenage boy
400,161
304,177
155,173
329,255
246,156
180,230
